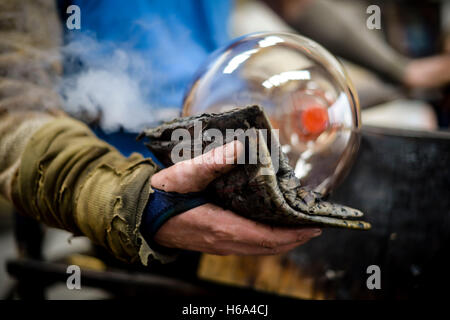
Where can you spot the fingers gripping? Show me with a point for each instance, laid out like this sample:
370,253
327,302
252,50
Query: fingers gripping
195,174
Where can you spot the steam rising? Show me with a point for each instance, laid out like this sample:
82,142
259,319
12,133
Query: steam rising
110,88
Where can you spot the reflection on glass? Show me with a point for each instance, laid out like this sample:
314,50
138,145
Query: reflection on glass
304,90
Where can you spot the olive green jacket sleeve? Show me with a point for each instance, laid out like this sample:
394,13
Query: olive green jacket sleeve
52,167
70,179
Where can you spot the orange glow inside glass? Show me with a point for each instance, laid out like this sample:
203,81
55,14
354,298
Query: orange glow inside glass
314,119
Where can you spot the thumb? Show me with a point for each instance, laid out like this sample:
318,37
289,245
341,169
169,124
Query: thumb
195,174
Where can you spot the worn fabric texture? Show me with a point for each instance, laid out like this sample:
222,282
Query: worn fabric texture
262,186
52,167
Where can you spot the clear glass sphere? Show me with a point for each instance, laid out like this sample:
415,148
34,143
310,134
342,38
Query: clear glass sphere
304,90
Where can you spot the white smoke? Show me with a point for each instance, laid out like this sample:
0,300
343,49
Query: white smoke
109,88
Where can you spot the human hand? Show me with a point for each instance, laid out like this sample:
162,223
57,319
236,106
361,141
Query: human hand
211,229
428,72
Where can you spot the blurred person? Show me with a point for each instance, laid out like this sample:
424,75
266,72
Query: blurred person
341,27
341,32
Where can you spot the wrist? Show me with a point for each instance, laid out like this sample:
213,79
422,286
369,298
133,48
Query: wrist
162,206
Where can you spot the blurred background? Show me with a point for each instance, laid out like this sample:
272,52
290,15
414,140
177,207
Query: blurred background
376,59
401,73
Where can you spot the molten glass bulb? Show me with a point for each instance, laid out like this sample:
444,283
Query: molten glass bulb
304,90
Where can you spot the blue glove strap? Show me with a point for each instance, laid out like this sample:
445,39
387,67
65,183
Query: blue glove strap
162,206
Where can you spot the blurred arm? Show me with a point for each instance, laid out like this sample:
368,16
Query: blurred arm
343,34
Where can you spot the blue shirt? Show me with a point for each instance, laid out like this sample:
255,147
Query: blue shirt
174,37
